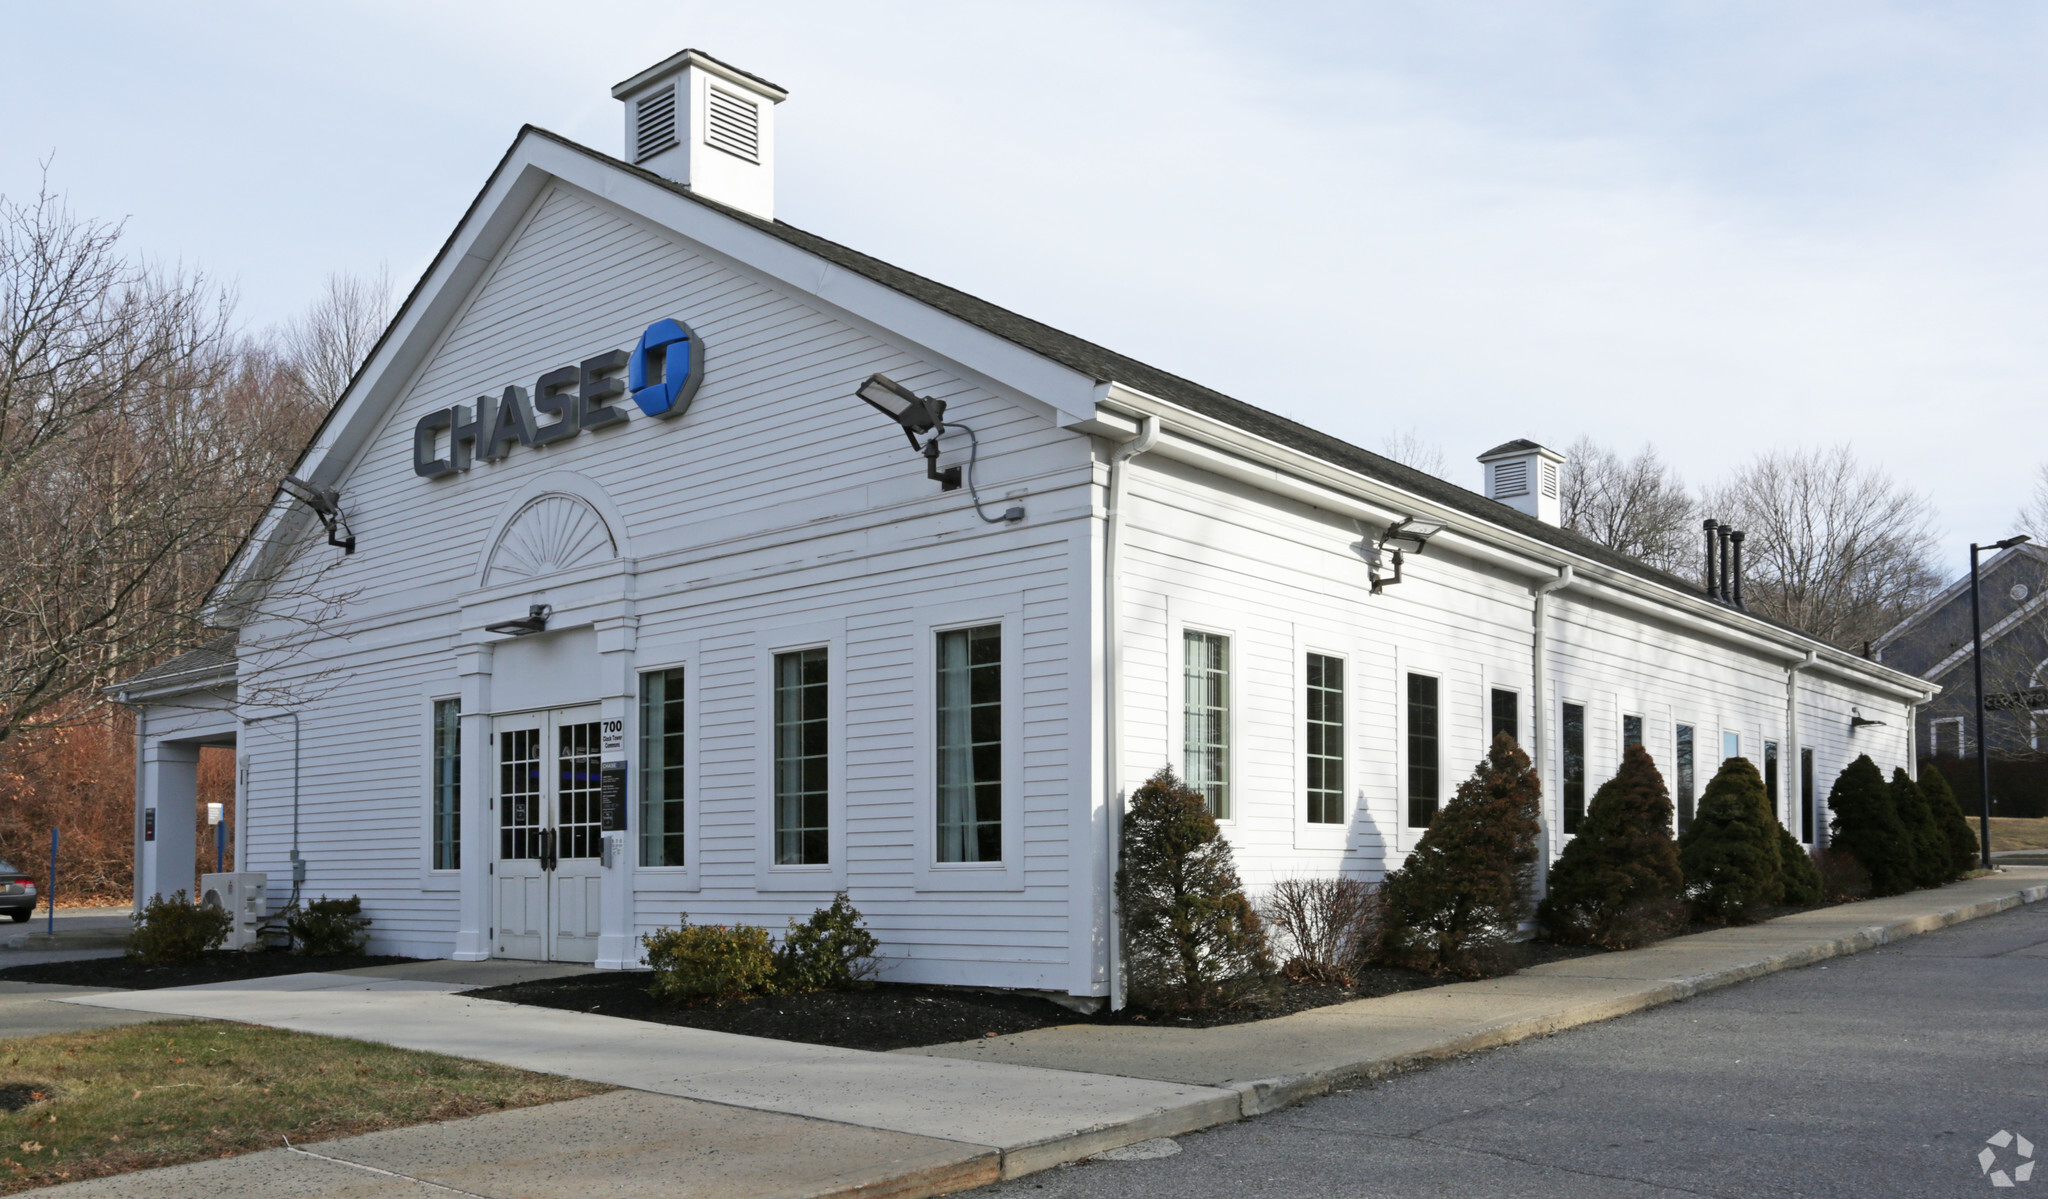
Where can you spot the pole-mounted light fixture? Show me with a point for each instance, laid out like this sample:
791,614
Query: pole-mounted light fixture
535,621
918,415
1977,670
1405,536
326,504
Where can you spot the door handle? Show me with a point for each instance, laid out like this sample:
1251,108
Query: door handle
547,849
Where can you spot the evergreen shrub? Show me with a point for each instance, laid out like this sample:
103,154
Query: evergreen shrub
1730,854
1964,849
1866,826
1798,877
1460,898
170,931
1926,846
330,928
830,952
1191,939
1618,884
709,963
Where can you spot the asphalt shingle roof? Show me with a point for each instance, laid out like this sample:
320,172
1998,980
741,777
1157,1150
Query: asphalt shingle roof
217,654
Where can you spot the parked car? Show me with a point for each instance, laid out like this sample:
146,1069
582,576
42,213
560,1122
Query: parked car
17,893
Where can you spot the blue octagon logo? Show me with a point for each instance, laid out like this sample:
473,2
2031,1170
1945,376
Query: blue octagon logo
665,368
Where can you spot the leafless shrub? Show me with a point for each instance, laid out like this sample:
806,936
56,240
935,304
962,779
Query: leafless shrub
1324,929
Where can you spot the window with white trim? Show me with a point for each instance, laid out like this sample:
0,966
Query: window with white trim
447,784
802,757
1424,747
970,741
1325,739
1205,721
661,768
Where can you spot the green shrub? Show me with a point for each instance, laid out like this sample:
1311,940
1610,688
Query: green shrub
170,931
1798,877
831,952
1964,849
1461,896
1926,847
1730,854
1866,826
1191,940
706,963
1617,884
330,928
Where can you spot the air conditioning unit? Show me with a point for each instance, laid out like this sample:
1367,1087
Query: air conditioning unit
244,896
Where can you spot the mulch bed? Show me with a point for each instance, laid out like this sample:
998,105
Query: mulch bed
220,966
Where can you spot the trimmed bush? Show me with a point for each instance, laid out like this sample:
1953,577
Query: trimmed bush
170,931
1617,884
1191,939
1730,854
1866,826
1926,847
1798,877
709,963
330,928
1461,896
1325,927
830,952
1964,848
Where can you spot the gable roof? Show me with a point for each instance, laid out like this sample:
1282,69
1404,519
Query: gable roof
1957,590
214,661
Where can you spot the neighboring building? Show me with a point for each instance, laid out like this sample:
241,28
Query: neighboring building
683,562
1934,643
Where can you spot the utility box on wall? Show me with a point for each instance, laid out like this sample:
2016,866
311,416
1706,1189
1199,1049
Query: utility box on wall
245,897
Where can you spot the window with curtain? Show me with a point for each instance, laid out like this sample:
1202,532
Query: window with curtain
661,768
1423,745
1573,790
1325,739
1205,716
1685,780
1507,714
447,784
802,833
970,741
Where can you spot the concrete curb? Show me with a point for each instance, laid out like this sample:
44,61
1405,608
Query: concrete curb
1207,1112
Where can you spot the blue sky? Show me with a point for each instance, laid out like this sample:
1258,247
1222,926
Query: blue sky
1712,227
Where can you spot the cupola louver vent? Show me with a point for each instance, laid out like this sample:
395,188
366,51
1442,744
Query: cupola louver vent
1511,478
732,124
654,124
1550,480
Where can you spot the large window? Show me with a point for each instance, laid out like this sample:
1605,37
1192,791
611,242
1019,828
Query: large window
801,736
970,775
1325,739
1507,715
1806,796
1685,781
661,768
1205,727
1631,731
447,784
1574,788
1424,741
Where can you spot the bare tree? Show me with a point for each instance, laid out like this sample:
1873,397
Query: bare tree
327,344
1638,505
1836,549
1408,447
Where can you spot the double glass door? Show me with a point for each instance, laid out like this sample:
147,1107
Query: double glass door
546,877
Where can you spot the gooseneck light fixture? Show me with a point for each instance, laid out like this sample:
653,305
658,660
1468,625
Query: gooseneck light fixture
925,416
1977,667
1405,536
326,505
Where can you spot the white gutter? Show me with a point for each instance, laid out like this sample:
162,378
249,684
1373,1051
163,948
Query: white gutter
1538,707
1112,722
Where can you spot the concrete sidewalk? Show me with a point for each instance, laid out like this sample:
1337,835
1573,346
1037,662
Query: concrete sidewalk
928,1121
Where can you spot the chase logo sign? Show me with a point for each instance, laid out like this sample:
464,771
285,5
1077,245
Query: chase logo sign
662,374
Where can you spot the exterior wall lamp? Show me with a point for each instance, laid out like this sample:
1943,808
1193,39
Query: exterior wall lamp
916,415
535,621
1405,536
1857,720
326,504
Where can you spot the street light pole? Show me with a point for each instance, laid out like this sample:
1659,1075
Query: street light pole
1977,669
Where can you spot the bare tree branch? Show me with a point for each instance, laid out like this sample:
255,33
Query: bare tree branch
1638,506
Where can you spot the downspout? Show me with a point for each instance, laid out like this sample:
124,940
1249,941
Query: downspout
1792,766
1537,709
1113,691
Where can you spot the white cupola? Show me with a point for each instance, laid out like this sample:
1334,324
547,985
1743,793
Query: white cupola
706,125
1523,475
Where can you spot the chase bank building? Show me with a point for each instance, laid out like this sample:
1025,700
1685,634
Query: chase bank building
665,558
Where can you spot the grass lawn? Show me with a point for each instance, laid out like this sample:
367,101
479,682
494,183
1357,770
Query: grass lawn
2013,832
145,1095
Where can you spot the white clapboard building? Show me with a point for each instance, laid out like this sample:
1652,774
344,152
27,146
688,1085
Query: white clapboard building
702,565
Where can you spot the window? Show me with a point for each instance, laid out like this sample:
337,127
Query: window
1325,709
1574,766
1631,731
801,729
661,768
1422,750
1685,794
1507,714
1205,724
1806,796
447,784
1771,776
1947,736
1731,746
970,774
